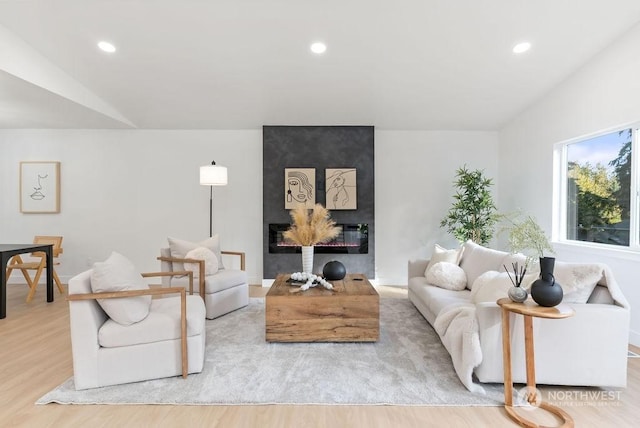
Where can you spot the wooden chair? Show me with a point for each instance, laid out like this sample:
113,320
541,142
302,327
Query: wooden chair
37,261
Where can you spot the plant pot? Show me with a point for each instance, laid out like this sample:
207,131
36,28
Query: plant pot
307,259
545,291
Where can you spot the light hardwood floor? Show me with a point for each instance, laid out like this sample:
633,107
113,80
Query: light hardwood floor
35,356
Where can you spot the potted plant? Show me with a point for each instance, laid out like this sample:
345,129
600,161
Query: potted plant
309,229
473,213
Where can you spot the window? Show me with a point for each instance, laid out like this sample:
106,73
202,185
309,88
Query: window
597,189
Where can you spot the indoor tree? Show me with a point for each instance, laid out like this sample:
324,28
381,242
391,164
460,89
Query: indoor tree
473,213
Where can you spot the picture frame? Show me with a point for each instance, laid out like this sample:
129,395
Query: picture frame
40,187
341,188
299,187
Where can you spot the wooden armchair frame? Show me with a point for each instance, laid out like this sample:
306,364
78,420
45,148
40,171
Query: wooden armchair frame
153,292
201,267
16,263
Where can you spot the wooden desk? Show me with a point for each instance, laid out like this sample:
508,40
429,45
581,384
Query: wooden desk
9,250
528,309
348,313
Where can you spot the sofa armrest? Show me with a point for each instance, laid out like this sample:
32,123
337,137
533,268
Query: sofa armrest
416,267
149,292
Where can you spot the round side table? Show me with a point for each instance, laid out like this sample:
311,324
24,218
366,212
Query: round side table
528,309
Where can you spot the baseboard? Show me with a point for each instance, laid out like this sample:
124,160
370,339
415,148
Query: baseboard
634,338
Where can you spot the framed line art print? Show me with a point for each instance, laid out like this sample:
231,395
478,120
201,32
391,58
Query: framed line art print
299,187
341,188
40,187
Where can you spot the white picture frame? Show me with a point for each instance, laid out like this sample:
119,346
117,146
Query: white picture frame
40,187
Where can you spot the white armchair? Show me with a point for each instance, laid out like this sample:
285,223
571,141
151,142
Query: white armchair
222,292
169,341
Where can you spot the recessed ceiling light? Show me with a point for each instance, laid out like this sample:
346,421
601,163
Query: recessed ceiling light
521,47
106,46
318,48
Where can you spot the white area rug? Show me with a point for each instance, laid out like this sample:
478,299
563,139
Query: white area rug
407,366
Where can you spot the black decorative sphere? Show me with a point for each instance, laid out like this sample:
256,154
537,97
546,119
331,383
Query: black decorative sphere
334,271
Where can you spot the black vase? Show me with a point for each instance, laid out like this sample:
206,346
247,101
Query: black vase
334,271
545,291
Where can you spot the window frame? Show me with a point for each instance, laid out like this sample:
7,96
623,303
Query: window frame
560,189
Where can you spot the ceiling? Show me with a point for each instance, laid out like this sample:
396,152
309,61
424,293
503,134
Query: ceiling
241,64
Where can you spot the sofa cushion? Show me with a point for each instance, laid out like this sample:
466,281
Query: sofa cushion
441,254
577,280
436,298
210,261
447,275
493,285
179,249
117,273
162,323
477,260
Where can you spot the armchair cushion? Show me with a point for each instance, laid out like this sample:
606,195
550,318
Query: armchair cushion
117,273
210,261
179,249
162,323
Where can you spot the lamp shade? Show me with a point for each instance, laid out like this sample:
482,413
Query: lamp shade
213,175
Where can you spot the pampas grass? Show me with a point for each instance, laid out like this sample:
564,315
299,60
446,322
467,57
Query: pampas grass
308,229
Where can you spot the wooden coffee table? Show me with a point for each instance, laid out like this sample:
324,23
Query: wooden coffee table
348,313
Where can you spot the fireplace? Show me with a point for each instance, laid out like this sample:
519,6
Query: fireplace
352,239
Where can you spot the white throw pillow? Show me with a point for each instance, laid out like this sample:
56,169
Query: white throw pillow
117,273
441,254
179,249
210,261
577,280
493,285
447,275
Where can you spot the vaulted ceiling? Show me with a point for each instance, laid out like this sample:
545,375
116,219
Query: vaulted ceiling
241,64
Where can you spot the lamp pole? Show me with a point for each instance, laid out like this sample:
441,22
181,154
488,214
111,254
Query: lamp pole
212,175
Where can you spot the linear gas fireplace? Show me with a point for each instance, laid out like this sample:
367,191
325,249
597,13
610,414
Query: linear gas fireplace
352,239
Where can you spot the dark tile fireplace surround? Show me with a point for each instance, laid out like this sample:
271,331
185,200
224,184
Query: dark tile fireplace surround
319,147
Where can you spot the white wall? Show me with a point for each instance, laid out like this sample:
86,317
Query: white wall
604,94
127,190
415,171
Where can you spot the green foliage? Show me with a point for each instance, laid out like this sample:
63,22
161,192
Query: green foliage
472,214
622,169
525,235
596,200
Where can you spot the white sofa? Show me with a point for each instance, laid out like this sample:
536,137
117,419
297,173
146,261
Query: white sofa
588,349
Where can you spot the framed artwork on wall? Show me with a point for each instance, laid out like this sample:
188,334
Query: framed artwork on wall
341,188
40,187
299,187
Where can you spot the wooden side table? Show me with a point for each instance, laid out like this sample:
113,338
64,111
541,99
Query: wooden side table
529,310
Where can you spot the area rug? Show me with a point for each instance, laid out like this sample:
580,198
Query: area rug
407,366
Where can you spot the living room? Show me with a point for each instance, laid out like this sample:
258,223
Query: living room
128,188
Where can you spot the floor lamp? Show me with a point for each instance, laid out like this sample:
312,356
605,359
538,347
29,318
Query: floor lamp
212,175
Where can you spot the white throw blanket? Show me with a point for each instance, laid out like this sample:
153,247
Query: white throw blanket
457,327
